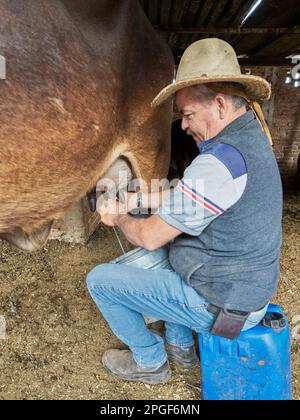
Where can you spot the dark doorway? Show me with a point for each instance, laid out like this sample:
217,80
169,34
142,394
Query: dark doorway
183,151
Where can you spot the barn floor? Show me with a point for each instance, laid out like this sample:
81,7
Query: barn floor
55,336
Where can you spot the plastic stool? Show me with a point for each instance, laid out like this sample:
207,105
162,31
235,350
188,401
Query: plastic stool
256,366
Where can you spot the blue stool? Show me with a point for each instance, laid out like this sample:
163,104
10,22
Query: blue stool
256,366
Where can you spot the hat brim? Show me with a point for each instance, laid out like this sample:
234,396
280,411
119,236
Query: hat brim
256,88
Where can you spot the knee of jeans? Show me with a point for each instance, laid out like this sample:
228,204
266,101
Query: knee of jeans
97,276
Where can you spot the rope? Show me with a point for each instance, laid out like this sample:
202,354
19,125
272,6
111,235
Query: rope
119,240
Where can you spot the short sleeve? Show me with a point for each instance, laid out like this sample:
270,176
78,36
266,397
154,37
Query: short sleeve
210,186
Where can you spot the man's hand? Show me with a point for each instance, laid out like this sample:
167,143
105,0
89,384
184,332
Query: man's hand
150,233
110,210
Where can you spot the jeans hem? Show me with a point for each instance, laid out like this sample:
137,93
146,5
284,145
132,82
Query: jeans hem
155,367
182,346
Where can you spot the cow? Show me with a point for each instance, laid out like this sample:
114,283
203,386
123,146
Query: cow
297,178
80,77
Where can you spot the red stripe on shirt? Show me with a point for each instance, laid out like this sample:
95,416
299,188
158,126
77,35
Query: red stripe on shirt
191,195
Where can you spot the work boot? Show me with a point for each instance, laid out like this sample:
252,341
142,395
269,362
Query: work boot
121,364
184,357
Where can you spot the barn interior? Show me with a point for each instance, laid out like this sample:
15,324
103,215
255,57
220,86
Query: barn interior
54,335
266,36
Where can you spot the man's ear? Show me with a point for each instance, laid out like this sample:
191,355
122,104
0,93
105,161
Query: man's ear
222,105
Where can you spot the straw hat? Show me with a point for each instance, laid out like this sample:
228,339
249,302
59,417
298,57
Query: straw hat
209,61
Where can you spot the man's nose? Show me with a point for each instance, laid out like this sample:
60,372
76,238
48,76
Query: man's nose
184,124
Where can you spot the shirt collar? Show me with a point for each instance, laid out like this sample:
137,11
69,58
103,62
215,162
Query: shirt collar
236,125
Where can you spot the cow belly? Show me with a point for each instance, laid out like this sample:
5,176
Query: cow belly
80,80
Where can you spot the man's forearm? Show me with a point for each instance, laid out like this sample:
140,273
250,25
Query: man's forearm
132,229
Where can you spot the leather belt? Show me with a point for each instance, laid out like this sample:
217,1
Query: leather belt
216,310
213,309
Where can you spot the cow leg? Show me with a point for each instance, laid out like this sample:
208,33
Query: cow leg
32,241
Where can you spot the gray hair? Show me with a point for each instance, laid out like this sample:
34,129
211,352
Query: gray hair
204,93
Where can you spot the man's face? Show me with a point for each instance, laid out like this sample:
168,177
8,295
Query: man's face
200,119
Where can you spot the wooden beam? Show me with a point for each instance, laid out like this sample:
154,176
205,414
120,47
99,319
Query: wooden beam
275,61
271,61
286,44
236,31
165,12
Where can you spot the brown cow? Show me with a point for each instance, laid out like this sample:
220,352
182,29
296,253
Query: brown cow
80,77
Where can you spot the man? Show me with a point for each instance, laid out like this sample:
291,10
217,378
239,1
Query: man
225,240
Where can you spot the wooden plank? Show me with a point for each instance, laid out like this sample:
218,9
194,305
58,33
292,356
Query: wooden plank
278,61
216,12
204,11
165,12
283,44
193,12
247,43
228,13
276,14
179,11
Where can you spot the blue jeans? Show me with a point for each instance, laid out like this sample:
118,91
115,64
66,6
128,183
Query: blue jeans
124,293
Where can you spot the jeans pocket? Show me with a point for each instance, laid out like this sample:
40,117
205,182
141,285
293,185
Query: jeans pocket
194,300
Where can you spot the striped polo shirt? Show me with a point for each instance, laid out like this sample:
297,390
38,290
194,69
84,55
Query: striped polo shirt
213,183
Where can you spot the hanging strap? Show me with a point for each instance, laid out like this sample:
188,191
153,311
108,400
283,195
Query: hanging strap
260,116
